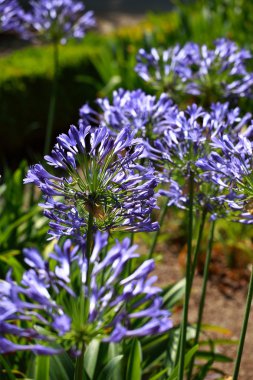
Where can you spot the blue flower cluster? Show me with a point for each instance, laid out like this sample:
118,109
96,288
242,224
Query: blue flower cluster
197,70
99,177
143,113
177,142
52,21
184,147
51,300
229,166
11,16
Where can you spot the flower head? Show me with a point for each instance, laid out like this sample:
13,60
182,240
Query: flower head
57,20
229,166
144,114
186,143
54,309
197,70
99,177
10,16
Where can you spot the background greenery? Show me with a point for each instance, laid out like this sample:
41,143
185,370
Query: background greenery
98,65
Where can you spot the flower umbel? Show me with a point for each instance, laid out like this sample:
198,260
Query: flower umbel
145,114
99,178
57,20
49,305
10,16
197,70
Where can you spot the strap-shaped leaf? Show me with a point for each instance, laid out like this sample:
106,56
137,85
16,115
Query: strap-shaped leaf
90,358
108,371
134,361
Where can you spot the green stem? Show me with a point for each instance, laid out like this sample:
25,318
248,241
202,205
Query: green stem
51,112
85,303
89,237
183,331
203,294
79,370
31,204
157,233
197,248
129,263
244,327
89,242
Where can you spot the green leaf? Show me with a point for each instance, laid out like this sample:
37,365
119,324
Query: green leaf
61,367
90,358
24,218
7,368
153,348
219,342
204,370
217,329
215,356
110,368
158,375
174,294
152,344
42,366
111,85
134,361
114,350
172,349
14,264
10,253
187,360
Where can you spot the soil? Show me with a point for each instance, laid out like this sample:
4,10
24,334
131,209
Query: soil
224,307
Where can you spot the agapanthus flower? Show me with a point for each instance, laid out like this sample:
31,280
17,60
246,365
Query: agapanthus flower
229,165
197,70
11,16
98,177
56,21
53,308
188,140
145,114
166,70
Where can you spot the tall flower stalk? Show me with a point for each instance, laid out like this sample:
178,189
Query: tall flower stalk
197,248
183,331
157,233
203,294
85,300
244,328
52,105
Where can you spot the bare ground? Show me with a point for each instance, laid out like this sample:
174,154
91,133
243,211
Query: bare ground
224,307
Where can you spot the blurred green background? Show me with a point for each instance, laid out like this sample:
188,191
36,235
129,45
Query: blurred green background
96,66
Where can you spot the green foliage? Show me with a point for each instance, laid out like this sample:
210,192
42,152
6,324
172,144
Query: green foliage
134,370
36,61
109,370
61,367
204,21
42,366
97,66
19,212
187,360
